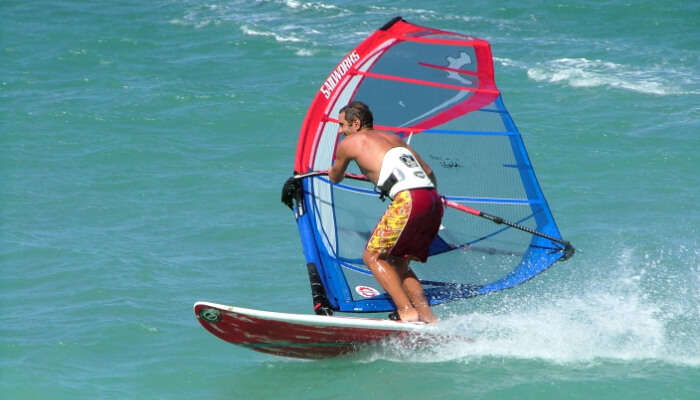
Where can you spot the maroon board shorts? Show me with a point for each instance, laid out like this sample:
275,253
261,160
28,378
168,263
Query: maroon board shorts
408,225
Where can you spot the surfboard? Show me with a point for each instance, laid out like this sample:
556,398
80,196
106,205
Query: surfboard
308,336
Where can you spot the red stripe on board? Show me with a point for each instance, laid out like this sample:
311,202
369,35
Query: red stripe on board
427,83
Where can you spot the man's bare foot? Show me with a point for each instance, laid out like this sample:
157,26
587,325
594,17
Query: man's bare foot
425,314
429,320
409,315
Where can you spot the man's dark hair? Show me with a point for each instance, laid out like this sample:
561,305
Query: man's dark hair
358,110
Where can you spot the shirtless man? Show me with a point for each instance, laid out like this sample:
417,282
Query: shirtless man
411,221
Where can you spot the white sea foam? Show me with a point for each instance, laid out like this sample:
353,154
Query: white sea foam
614,318
404,11
280,38
579,329
200,18
308,5
507,62
305,52
582,72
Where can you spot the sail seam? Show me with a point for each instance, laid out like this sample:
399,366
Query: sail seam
426,83
449,42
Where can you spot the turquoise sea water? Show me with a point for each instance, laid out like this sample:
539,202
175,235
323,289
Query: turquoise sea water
142,150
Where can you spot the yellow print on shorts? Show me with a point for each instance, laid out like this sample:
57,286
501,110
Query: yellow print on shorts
390,226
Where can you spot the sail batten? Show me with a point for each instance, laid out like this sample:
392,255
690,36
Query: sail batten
426,83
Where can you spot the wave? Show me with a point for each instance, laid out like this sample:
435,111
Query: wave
280,38
308,5
644,308
581,72
305,52
507,62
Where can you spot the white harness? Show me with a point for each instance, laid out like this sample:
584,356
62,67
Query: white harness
400,171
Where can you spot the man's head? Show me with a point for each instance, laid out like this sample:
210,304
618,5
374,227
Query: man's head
355,116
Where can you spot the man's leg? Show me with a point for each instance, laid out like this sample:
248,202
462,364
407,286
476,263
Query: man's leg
413,289
391,280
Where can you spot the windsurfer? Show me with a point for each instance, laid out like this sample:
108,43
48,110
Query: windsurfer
411,221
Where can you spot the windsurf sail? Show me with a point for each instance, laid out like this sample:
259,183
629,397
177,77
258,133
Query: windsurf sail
435,89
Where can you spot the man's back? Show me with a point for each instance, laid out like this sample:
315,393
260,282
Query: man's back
367,148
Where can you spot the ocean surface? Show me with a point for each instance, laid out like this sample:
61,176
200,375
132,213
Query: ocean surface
143,145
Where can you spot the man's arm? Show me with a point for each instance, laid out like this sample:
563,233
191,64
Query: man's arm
336,173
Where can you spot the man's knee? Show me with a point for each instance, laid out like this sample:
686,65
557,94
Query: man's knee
371,256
